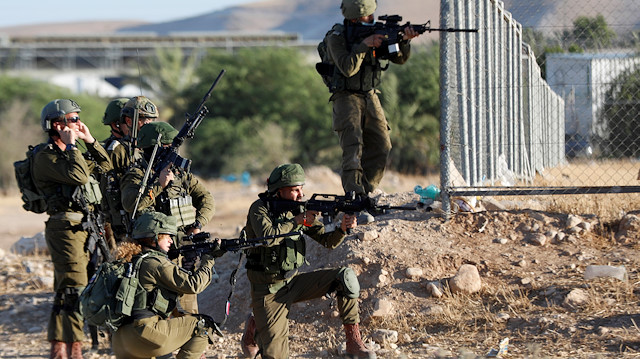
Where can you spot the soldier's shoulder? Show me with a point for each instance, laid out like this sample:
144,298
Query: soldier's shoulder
336,30
44,150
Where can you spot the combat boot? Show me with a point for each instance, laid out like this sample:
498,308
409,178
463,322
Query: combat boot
58,350
355,346
248,342
75,350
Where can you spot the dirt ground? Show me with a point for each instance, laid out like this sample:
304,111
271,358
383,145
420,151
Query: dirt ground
525,293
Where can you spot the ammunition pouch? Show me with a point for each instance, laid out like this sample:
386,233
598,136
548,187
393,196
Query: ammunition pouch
182,208
91,191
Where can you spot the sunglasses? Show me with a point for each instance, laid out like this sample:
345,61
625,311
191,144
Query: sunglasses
67,120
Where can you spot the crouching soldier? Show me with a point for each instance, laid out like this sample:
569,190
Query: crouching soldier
149,332
273,270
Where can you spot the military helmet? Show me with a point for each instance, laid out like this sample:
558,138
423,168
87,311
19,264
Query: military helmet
145,108
56,109
148,134
353,9
150,224
112,112
290,174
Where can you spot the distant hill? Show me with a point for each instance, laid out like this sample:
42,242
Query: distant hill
309,18
312,18
549,16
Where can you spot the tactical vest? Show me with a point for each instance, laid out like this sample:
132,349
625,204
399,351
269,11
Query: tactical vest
160,301
369,75
176,201
62,200
288,255
110,186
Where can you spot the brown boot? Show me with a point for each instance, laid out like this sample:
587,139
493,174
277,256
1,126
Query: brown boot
75,350
355,346
248,342
58,350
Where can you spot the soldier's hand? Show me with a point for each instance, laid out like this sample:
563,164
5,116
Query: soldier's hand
374,40
349,221
306,218
166,176
189,263
84,133
409,33
68,136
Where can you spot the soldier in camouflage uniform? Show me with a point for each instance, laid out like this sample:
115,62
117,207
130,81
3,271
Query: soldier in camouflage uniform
358,118
59,169
273,270
175,192
119,116
148,332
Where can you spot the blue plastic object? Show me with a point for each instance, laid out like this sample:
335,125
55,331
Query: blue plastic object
430,192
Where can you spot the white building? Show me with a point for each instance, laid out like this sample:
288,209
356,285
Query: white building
583,80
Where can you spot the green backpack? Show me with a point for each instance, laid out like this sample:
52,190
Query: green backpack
110,296
33,200
326,68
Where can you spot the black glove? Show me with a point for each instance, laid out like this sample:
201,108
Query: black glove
216,251
189,261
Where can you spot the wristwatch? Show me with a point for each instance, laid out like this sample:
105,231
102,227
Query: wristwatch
70,147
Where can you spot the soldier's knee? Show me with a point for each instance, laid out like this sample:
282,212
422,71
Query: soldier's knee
347,283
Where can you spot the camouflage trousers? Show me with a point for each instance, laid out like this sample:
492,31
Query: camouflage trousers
363,131
66,243
154,337
271,310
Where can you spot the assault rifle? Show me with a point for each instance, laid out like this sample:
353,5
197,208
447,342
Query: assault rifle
94,224
169,155
201,244
329,205
389,26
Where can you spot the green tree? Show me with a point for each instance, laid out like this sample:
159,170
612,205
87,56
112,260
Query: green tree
414,135
592,32
168,75
21,100
419,79
262,86
411,100
620,124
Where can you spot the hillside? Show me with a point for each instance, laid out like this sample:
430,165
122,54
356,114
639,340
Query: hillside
309,18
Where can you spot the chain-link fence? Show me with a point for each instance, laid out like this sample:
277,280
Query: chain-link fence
543,100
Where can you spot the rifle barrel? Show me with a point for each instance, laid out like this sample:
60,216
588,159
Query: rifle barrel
451,29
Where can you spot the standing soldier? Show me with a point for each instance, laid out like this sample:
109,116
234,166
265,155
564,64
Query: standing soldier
273,270
117,147
119,115
175,192
60,170
358,118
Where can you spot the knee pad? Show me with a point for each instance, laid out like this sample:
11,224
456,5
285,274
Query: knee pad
347,283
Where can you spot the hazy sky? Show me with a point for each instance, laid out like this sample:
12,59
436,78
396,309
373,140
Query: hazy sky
28,12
